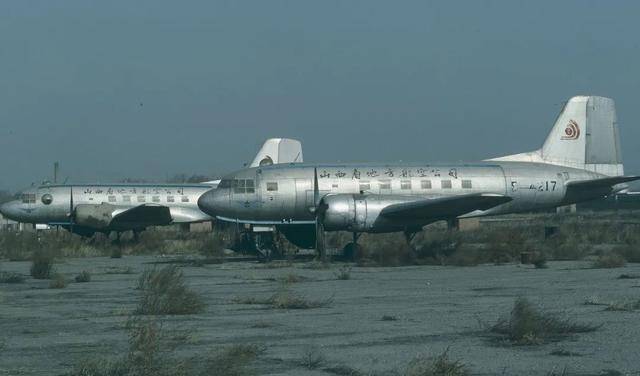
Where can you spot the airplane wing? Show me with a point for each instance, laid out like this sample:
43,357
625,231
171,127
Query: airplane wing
444,207
145,215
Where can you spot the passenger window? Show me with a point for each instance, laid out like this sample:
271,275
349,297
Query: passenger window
142,199
126,198
170,199
446,184
334,185
466,184
405,184
185,199
112,198
155,199
425,184
365,187
385,185
272,187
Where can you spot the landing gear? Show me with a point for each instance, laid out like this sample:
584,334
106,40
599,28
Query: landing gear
351,250
265,246
320,242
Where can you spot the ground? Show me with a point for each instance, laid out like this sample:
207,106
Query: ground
429,309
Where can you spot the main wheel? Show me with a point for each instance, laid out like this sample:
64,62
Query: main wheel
352,251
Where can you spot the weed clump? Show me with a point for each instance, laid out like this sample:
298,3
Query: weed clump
440,365
57,281
312,357
84,276
609,261
164,292
526,325
41,264
285,299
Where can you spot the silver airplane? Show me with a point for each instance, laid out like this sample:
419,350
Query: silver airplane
579,161
90,208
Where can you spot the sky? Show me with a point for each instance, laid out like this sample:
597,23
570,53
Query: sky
150,89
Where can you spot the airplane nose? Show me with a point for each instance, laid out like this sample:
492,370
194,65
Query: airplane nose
208,202
9,210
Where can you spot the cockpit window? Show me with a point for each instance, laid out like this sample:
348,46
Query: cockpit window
225,183
244,186
46,199
28,198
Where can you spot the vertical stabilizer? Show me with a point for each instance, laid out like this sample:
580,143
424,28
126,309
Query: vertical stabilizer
278,150
585,135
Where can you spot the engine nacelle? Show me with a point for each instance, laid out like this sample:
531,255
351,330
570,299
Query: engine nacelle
361,213
94,216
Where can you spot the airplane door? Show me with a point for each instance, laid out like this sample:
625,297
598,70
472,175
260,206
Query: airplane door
304,197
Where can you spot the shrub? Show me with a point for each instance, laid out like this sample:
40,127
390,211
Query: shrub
165,292
84,276
42,264
57,281
526,325
440,365
540,261
344,273
608,261
233,361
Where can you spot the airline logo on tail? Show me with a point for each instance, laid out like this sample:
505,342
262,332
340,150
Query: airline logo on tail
572,131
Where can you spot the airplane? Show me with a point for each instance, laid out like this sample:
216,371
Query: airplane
579,161
87,209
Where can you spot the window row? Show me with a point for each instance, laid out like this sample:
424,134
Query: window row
141,198
424,184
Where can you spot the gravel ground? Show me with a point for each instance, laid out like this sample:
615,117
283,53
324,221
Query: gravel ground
46,331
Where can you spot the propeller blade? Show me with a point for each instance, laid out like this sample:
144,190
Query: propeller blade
320,245
71,214
316,190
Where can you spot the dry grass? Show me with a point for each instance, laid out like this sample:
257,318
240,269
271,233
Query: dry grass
527,325
165,292
285,299
609,261
312,357
84,276
344,273
439,365
233,360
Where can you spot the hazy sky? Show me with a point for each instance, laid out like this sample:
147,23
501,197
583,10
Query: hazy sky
116,89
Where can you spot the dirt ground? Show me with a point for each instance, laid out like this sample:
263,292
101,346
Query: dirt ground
429,309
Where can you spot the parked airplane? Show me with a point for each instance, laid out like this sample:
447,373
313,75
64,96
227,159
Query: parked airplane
90,208
579,161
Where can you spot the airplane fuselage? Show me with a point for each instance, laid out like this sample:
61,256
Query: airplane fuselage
284,194
51,204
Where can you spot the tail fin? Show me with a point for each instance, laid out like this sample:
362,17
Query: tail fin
585,136
278,150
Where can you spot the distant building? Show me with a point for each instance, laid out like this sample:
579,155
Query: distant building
7,224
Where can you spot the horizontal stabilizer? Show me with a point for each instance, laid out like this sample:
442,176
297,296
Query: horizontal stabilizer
444,207
581,190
